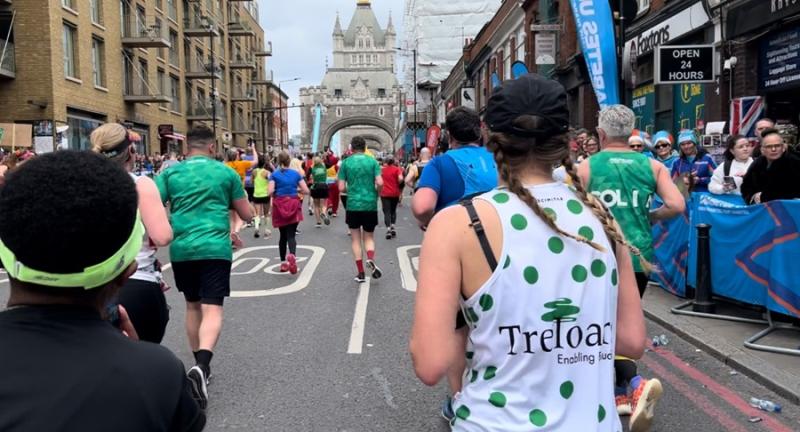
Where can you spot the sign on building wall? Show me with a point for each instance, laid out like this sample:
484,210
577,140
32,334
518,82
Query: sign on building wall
644,106
779,61
688,106
684,64
685,21
545,48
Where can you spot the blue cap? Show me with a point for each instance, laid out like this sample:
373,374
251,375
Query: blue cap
687,135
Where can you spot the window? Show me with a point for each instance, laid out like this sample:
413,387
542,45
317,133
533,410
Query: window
381,93
98,62
360,59
175,89
161,51
70,54
144,76
381,111
369,43
337,93
96,7
160,4
353,58
643,5
173,49
172,9
68,4
162,82
127,74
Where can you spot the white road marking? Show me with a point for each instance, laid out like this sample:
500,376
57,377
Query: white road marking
408,266
359,319
300,282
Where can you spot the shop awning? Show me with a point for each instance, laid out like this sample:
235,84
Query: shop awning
175,136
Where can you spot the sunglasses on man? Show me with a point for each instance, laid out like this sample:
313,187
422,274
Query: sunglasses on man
659,146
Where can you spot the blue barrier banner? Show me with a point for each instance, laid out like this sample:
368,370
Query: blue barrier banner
593,19
755,251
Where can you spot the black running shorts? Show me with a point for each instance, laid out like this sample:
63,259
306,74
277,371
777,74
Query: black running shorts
205,281
261,200
366,220
249,190
319,191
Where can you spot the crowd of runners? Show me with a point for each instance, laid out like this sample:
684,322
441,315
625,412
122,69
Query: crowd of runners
537,248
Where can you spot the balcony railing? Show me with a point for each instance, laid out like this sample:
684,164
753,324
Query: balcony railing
8,65
241,94
266,52
238,27
141,91
138,32
242,61
265,80
241,127
198,25
203,69
203,110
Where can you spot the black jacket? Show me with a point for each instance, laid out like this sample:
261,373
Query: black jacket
781,180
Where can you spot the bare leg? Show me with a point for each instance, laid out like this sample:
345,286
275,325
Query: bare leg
355,243
193,318
318,210
210,326
455,373
369,241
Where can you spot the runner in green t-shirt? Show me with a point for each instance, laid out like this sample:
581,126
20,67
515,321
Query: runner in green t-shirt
319,191
625,180
360,177
200,191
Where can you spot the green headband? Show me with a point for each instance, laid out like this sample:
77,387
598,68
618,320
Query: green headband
91,277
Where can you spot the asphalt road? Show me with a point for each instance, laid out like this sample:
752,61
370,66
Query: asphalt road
317,352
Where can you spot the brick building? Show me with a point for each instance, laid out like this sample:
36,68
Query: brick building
71,65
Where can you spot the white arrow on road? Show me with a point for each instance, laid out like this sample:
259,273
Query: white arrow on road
408,267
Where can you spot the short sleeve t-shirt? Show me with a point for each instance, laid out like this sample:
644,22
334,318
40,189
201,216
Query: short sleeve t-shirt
240,167
391,186
148,392
200,192
441,174
319,174
286,181
359,172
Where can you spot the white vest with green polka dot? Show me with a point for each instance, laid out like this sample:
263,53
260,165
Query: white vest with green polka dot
540,355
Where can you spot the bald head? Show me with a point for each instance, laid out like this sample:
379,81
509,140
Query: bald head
425,153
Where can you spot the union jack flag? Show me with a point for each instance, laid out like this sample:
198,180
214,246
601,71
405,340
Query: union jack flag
745,112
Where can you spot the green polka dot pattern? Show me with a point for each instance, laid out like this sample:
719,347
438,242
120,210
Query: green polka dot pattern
531,275
566,389
462,412
614,277
579,273
490,373
556,245
486,301
601,414
519,222
551,213
538,418
497,399
598,268
586,232
501,198
507,263
575,206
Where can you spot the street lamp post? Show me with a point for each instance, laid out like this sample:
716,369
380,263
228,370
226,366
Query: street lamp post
280,105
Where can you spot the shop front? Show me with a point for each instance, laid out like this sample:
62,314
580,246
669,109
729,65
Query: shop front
171,141
670,107
81,124
779,74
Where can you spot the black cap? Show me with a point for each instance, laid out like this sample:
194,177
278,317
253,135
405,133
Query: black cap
530,94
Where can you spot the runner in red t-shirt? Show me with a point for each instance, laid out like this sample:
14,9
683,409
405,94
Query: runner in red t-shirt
390,194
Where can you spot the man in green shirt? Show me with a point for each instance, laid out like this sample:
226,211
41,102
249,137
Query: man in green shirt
200,192
360,177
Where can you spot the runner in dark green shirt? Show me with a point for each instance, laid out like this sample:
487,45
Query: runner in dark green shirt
360,177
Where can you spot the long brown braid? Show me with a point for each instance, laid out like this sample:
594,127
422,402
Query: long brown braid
499,143
610,225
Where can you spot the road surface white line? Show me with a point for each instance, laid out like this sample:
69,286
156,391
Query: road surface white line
359,319
407,278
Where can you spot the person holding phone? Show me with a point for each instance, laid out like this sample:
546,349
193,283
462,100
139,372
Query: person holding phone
728,177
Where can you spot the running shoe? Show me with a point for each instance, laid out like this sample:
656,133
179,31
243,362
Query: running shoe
394,233
643,404
292,263
267,233
360,278
388,235
256,235
376,271
310,212
447,409
197,379
318,226
623,404
284,267
326,219
330,212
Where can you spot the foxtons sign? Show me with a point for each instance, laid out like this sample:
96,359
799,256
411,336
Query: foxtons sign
680,24
684,64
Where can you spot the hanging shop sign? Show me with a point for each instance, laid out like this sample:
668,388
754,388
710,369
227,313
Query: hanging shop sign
779,60
545,48
755,14
684,64
685,21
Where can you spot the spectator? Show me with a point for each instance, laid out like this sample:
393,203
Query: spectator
663,147
727,178
773,176
639,141
173,160
591,145
694,165
761,125
57,306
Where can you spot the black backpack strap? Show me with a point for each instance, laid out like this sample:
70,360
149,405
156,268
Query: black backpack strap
477,226
726,167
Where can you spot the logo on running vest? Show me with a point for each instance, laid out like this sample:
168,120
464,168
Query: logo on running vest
559,336
616,198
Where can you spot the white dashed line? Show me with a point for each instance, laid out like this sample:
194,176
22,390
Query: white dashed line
359,319
408,267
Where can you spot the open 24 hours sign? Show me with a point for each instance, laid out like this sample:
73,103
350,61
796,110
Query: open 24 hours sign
685,64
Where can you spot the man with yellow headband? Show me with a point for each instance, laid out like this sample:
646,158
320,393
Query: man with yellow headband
64,365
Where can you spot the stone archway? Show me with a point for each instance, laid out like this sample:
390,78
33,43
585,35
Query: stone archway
334,127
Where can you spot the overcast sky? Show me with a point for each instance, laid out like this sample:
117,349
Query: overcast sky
300,31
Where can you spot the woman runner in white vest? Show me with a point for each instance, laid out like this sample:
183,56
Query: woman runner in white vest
543,275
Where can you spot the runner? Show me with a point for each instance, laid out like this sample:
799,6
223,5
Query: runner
343,192
261,199
333,190
143,293
416,169
319,190
360,178
625,181
390,195
64,366
285,187
200,191
529,263
233,160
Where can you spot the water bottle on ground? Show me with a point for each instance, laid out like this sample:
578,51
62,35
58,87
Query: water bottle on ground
765,405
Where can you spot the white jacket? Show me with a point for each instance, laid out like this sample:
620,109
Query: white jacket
738,170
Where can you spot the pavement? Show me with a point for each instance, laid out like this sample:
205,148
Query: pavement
318,352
